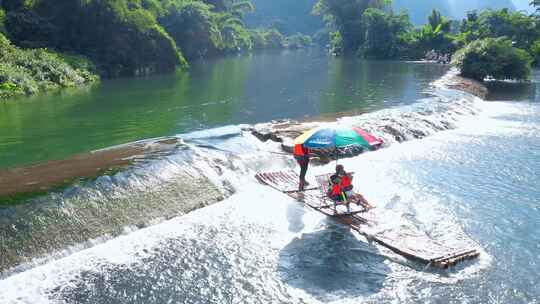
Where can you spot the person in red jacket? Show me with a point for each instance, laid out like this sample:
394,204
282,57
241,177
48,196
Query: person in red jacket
336,193
301,154
347,187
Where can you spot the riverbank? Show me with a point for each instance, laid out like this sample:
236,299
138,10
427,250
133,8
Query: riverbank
30,71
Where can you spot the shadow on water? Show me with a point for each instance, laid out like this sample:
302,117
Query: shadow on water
333,262
511,91
179,270
295,212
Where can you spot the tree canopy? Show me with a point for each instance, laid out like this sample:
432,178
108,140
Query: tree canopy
495,58
384,33
345,17
165,32
35,70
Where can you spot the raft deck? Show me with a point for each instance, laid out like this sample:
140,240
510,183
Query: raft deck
411,243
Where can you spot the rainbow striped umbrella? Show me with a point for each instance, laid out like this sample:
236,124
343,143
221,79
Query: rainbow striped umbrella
337,138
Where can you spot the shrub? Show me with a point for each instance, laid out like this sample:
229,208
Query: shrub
30,71
193,27
258,39
495,58
298,41
535,53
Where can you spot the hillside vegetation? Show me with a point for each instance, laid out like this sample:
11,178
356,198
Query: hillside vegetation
31,71
137,37
369,29
131,37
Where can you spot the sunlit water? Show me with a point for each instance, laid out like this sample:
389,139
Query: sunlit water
225,91
478,182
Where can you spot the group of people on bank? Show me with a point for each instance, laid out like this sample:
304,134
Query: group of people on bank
438,57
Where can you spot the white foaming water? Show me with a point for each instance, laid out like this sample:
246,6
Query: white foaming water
259,246
383,177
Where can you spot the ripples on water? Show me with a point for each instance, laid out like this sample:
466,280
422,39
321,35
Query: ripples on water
231,90
478,182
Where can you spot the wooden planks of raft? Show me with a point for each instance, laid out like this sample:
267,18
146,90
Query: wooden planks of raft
410,243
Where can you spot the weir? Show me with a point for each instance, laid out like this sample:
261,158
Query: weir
153,184
410,243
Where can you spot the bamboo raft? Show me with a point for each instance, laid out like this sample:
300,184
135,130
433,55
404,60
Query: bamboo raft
411,244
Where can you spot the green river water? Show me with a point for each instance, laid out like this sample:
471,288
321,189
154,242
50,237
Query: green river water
233,90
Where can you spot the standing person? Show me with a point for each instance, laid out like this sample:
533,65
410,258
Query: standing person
301,154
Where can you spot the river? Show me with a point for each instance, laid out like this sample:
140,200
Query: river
477,182
213,93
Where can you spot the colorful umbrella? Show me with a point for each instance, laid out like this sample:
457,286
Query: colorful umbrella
337,138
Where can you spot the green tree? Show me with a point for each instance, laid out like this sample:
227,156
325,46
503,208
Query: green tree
218,5
517,26
298,41
493,57
535,53
384,34
106,31
194,28
2,20
435,35
240,8
436,20
345,17
31,71
274,39
235,35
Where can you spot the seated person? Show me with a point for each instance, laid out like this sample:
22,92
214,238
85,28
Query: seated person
335,191
345,180
347,187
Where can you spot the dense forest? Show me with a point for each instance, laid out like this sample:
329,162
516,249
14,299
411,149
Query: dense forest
493,43
57,43
124,37
165,33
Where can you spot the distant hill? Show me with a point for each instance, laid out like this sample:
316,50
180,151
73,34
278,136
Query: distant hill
289,16
460,7
456,9
419,10
292,16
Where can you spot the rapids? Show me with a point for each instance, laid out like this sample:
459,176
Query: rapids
473,179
